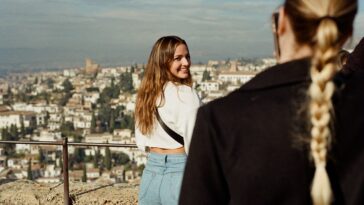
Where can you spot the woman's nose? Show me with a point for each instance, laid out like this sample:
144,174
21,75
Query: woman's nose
185,62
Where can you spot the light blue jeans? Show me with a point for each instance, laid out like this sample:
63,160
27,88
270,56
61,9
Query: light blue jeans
162,178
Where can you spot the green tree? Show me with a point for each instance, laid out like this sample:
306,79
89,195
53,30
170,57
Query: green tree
30,173
28,88
50,83
127,122
120,158
41,156
93,123
46,119
84,175
33,124
9,149
79,154
61,163
96,158
67,85
67,129
108,158
45,96
22,128
105,113
63,101
206,75
14,132
126,82
112,122
105,95
133,67
92,89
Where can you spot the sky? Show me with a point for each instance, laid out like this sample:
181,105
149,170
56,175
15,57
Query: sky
62,33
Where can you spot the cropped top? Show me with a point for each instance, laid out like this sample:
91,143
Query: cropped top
178,112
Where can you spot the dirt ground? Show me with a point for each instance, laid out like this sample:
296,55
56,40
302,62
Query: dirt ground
32,193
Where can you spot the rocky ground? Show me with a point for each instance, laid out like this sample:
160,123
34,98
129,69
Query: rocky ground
33,193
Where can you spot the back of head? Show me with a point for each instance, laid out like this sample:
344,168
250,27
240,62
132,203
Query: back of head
156,75
323,25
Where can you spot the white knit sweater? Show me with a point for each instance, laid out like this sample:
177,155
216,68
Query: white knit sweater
178,112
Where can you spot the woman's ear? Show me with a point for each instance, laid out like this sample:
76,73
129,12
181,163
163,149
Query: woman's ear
281,21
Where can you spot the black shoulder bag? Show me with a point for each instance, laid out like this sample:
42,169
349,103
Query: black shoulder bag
169,131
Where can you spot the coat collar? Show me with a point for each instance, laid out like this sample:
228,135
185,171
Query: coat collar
281,74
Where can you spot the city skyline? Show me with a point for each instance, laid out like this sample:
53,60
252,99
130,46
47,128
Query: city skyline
62,33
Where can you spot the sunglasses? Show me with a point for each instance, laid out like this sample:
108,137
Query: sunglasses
277,52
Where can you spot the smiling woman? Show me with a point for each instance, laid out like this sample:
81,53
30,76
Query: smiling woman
181,63
165,113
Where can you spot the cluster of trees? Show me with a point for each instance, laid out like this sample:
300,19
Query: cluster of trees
67,88
107,162
26,96
10,134
206,75
108,117
126,82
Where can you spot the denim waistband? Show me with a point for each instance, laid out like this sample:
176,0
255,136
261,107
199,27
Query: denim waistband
163,156
166,157
165,163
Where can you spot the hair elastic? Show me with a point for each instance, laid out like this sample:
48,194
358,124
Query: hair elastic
328,17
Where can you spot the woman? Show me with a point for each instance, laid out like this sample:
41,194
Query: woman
166,91
287,136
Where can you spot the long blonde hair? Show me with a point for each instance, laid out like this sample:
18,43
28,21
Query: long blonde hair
324,25
156,75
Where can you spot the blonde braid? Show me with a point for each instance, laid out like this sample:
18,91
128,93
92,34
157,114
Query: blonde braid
320,91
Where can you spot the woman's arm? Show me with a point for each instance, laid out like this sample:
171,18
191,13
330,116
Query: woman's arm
204,181
140,139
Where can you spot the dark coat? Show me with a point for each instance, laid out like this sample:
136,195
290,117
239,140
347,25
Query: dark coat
250,147
356,58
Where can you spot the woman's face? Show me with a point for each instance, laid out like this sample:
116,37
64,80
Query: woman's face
180,67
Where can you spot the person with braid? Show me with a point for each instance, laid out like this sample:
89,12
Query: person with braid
289,136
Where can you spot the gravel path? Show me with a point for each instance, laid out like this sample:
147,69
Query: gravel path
32,193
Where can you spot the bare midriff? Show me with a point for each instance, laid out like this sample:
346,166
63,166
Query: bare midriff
158,150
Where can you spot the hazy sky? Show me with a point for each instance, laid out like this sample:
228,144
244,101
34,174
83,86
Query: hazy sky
61,33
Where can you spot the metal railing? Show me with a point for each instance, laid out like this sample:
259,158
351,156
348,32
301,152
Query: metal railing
64,143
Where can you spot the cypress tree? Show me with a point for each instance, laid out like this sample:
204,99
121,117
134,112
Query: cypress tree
84,176
107,158
30,174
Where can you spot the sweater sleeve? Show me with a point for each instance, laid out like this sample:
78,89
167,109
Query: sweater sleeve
140,139
204,181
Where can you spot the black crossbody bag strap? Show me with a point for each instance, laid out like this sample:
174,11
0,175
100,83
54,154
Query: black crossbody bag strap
169,131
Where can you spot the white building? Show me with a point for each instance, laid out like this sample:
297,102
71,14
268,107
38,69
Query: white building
209,86
237,77
98,138
22,148
16,118
70,72
91,97
136,80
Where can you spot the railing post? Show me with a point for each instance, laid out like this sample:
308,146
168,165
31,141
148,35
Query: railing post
66,197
